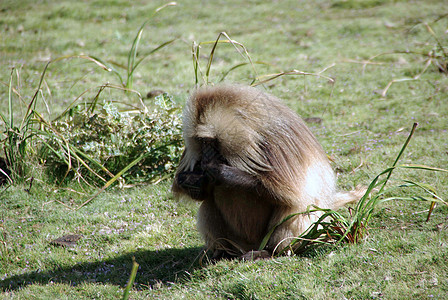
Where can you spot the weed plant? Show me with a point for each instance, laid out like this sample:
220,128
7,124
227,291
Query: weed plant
93,145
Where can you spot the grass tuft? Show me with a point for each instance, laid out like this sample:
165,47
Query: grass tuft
133,59
332,228
18,137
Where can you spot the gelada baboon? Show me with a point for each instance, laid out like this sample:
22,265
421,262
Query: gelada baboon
251,161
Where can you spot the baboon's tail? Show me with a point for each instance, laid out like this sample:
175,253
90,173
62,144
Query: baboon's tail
344,198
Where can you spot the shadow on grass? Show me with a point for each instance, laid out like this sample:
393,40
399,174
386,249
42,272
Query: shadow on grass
156,267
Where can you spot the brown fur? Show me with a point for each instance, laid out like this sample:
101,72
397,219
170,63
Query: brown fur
251,161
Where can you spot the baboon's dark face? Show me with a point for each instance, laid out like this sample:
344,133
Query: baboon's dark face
210,153
199,182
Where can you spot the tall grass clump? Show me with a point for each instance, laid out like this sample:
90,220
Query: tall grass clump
333,228
95,144
18,135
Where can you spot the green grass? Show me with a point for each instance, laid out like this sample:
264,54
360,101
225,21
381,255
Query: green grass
402,256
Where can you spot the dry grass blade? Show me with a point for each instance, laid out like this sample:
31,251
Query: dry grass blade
196,50
266,78
433,34
219,245
431,208
173,3
148,54
241,49
416,77
237,66
5,174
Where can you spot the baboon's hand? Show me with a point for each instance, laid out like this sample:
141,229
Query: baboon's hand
225,175
214,173
194,183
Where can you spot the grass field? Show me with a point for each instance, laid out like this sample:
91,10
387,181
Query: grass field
388,59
